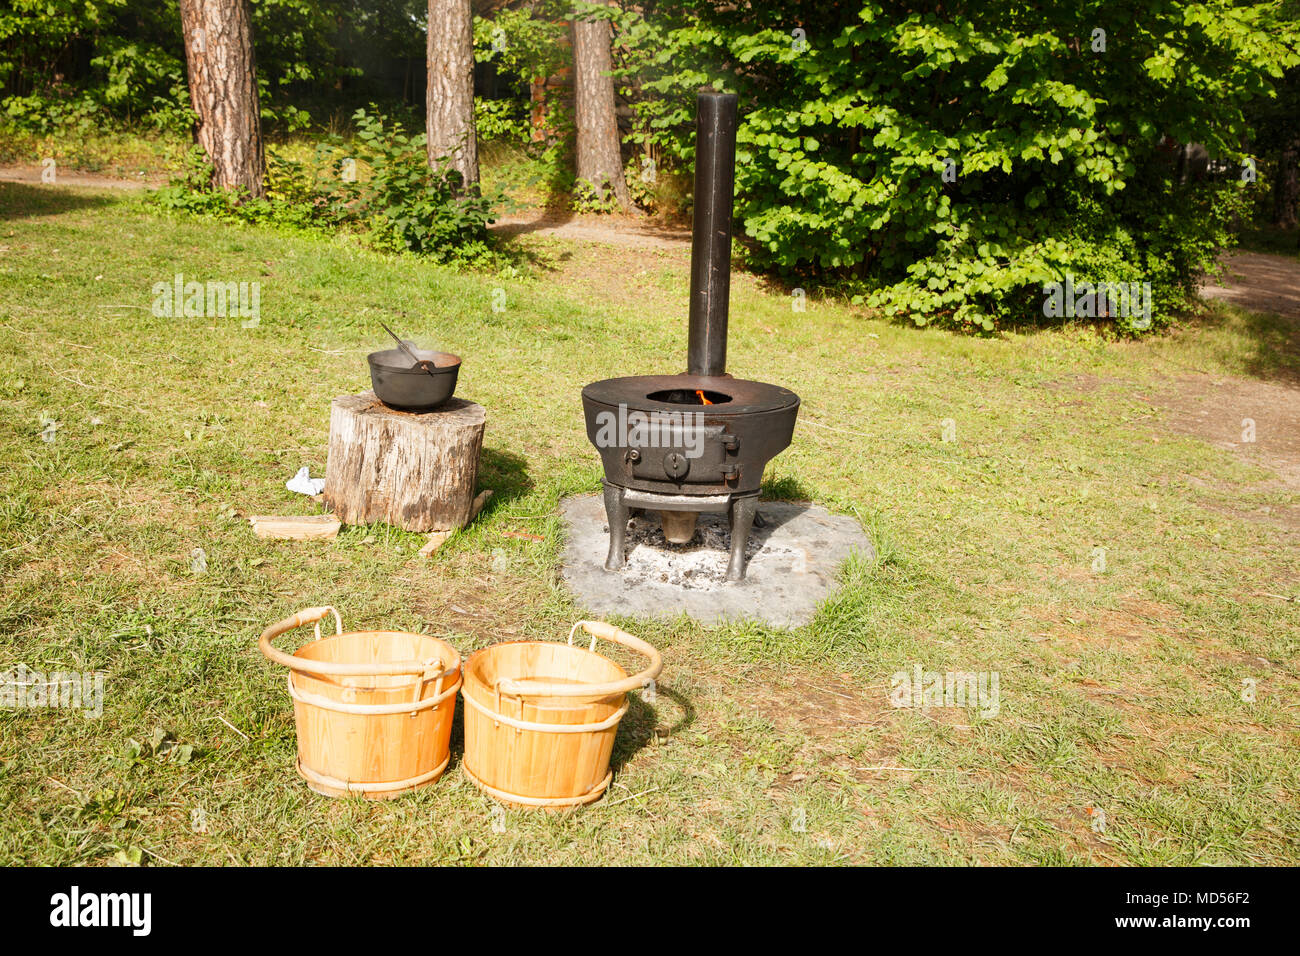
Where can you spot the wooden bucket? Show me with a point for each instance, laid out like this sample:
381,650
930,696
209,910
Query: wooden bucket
373,709
540,718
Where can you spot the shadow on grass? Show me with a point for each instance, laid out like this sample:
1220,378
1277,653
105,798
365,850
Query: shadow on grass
528,177
1274,341
525,257
813,288
641,723
19,200
506,474
1271,239
542,219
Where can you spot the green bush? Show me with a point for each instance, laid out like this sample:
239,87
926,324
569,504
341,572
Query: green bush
111,59
409,204
42,115
500,120
1049,132
379,184
528,42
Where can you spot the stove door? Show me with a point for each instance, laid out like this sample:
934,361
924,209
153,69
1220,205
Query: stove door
669,450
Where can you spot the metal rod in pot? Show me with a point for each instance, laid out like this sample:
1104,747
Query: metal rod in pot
422,363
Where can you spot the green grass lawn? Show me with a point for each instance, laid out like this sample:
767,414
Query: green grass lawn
1121,686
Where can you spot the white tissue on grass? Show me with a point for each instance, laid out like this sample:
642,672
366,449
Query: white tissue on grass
304,484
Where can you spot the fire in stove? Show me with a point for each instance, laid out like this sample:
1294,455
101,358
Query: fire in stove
682,445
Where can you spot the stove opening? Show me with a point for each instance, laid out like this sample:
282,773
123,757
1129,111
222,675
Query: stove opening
688,396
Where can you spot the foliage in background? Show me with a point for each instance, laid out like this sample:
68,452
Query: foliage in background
527,41
408,204
379,184
500,119
1059,147
125,59
852,113
66,60
524,43
532,174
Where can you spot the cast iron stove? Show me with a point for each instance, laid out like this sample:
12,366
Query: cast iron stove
681,445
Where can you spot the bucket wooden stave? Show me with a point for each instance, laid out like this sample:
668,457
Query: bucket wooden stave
541,718
373,709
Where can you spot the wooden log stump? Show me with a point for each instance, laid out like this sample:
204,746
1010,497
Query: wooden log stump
415,470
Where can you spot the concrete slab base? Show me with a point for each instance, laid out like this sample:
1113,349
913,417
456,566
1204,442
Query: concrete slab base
793,562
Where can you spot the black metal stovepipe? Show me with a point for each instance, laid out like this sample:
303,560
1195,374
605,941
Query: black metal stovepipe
715,178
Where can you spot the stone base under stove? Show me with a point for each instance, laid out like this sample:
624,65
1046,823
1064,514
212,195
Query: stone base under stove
793,563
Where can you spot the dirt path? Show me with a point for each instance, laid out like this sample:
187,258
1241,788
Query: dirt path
1256,281
1259,420
1261,283
32,176
626,231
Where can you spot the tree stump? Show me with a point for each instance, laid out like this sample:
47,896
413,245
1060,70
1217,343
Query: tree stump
415,470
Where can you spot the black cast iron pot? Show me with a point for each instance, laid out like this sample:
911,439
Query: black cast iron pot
400,384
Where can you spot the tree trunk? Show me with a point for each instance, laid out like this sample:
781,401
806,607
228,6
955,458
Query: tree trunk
600,160
1286,185
449,109
223,88
413,470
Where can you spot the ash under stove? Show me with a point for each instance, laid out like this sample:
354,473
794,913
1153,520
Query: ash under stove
685,445
695,565
795,561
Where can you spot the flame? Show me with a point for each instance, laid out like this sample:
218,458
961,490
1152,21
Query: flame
703,400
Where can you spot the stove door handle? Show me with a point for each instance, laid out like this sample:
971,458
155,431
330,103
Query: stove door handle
597,629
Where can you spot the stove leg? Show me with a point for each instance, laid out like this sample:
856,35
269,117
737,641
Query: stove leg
617,514
743,511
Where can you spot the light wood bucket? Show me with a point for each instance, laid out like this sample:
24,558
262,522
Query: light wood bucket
373,709
540,718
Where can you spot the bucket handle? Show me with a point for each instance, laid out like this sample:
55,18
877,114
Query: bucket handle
314,615
601,629
338,622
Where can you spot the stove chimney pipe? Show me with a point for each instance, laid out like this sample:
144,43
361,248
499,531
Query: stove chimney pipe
715,178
